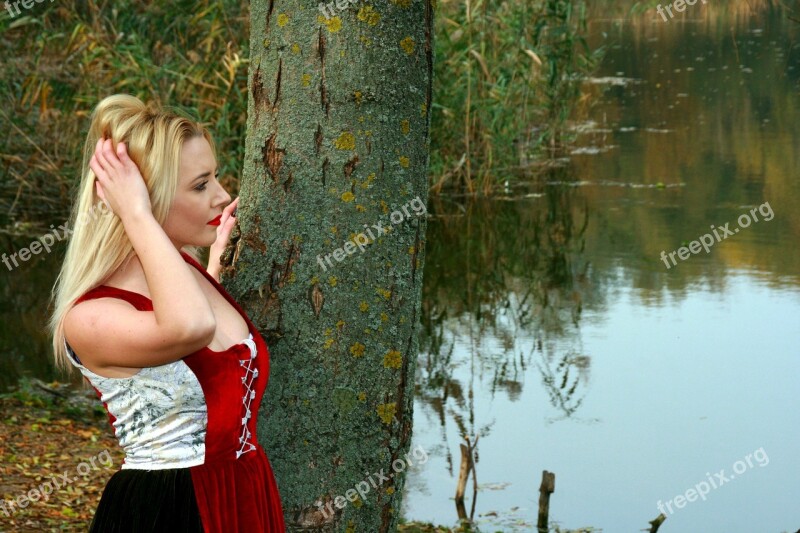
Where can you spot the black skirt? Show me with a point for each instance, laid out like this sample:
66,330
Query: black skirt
135,501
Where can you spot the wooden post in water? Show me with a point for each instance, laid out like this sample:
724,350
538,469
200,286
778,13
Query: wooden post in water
656,523
467,464
547,488
463,475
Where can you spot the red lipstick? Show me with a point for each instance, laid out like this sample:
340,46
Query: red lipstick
214,222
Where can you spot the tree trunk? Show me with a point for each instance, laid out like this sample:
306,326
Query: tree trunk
337,146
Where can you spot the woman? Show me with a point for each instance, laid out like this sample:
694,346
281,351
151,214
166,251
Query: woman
178,365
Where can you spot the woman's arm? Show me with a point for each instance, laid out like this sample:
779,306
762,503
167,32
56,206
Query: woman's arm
178,300
213,267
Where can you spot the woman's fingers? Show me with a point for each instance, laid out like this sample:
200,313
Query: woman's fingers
231,206
227,213
105,171
94,165
122,153
119,179
110,164
101,159
101,175
110,155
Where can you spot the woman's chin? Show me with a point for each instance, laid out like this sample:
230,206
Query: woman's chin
205,240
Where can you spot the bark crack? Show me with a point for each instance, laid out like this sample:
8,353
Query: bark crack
414,256
269,12
429,55
350,166
323,91
272,157
259,98
278,84
318,138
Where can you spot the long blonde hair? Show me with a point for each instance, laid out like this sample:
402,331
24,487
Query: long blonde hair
154,137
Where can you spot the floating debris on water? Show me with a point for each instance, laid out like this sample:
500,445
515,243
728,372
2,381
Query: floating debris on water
609,183
593,150
613,80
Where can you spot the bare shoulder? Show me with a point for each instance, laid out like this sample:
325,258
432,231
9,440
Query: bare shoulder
110,333
89,317
89,312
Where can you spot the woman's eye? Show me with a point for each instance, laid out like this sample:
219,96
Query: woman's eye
202,186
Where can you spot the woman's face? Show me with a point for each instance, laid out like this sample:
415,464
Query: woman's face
199,198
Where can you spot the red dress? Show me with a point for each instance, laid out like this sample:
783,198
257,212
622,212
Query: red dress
197,414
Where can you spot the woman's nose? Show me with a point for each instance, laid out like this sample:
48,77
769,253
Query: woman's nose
226,198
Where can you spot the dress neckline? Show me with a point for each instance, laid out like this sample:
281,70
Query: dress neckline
189,259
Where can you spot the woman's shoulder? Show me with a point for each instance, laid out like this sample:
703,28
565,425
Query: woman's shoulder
130,280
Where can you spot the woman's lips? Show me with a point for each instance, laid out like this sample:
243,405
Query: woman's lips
215,222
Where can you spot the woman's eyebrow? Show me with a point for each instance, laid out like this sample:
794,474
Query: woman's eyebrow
203,175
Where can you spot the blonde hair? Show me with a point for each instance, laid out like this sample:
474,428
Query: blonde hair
154,137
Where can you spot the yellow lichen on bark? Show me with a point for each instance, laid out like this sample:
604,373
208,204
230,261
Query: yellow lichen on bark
369,15
346,141
333,24
383,292
393,359
357,349
407,45
386,412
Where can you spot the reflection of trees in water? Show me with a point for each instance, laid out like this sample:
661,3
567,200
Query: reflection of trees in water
732,141
562,380
498,273
25,348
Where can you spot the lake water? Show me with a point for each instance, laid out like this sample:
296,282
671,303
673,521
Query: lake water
555,329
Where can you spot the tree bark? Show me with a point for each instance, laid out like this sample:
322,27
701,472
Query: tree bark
337,143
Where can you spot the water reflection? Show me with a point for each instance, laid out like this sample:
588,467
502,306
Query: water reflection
554,331
24,343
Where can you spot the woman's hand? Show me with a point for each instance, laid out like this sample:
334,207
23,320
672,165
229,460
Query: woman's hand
226,223
119,183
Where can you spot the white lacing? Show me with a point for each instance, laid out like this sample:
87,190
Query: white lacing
250,375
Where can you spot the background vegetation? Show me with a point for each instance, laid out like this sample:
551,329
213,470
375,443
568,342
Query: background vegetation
507,76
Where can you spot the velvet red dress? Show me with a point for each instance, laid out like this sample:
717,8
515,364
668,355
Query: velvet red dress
188,429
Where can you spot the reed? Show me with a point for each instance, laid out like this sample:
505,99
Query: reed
62,58
502,67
